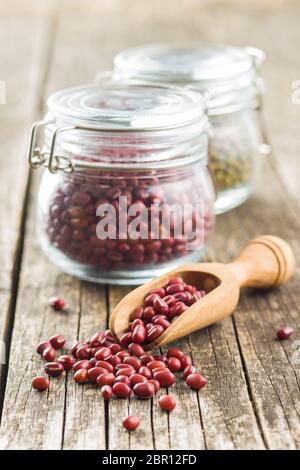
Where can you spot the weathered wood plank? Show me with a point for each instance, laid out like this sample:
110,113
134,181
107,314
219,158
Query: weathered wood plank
22,46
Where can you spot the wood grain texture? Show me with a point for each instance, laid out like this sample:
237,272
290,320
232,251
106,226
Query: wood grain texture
252,397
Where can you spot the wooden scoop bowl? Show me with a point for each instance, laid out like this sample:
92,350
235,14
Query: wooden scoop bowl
265,262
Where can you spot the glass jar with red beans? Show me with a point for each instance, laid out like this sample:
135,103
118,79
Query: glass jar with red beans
126,194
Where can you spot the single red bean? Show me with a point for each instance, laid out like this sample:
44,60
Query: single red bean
284,332
103,353
94,373
106,392
124,379
57,303
144,390
167,402
195,381
177,310
154,333
106,379
157,369
176,280
114,361
174,288
162,321
164,377
154,364
160,357
42,346
170,300
160,292
160,306
145,359
139,334
74,348
122,354
174,352
155,384
135,323
40,383
128,371
187,371
149,300
97,338
125,366
49,354
67,361
137,313
106,365
57,341
137,378
131,422
84,364
185,361
144,370
54,369
93,361
81,376
126,339
115,348
149,313
83,352
136,349
133,361
174,364
121,390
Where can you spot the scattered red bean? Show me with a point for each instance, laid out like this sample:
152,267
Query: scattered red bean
155,384
42,346
122,390
195,381
40,383
94,373
106,379
49,354
106,392
284,332
144,390
57,341
67,361
174,352
84,364
106,365
81,376
174,364
167,402
136,379
164,377
136,349
188,370
54,369
131,422
57,303
186,361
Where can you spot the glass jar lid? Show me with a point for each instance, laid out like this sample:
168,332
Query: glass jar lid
228,74
127,106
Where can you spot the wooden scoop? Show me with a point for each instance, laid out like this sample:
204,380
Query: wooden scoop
265,262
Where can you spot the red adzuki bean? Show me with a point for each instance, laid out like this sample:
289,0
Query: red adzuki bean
188,370
144,390
174,364
49,354
106,392
67,361
57,303
54,369
94,373
57,341
81,376
195,381
40,383
42,346
284,332
121,390
167,402
106,379
164,377
84,364
131,422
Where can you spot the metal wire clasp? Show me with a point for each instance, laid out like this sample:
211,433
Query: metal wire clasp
37,156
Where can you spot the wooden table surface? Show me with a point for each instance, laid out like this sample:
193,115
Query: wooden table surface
252,397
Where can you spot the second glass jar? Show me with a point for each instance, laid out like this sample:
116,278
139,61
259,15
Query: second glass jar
125,161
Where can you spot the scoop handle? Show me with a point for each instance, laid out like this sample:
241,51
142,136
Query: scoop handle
265,262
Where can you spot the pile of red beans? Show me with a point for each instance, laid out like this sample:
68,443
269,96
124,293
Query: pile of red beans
161,307
72,220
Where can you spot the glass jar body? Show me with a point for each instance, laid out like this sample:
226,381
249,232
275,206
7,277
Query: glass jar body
234,157
80,219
